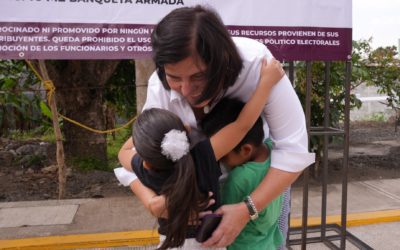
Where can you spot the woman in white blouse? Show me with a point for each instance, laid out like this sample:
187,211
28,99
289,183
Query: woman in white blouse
198,62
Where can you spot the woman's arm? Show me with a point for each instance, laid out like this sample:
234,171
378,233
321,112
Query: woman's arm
154,203
126,153
270,74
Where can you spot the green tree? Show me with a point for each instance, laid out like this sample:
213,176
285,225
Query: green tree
80,88
360,74
19,97
378,67
90,92
121,90
384,69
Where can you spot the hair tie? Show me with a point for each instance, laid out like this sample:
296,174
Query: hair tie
175,144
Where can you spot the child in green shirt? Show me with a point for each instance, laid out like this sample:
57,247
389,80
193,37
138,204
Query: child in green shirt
248,163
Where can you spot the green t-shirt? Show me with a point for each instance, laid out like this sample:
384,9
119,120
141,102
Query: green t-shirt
262,233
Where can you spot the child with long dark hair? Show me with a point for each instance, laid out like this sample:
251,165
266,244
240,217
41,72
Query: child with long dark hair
164,160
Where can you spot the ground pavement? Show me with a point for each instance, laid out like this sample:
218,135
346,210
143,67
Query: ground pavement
373,217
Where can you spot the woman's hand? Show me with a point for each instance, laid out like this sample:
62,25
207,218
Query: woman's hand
234,219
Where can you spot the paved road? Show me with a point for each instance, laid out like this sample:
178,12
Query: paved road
109,219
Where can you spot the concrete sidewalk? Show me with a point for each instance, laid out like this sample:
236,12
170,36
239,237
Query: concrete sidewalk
109,222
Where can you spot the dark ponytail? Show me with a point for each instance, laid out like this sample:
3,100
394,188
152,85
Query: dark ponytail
183,197
184,201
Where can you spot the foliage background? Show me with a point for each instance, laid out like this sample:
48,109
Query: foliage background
23,107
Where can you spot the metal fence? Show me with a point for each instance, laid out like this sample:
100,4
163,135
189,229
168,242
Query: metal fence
334,236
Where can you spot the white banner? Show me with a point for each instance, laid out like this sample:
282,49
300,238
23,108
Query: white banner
118,29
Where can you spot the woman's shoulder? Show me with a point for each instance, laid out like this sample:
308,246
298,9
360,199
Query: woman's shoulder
251,49
155,84
157,95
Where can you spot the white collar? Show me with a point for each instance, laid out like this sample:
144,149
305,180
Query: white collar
175,96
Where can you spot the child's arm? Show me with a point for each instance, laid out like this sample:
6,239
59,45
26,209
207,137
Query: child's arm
226,139
147,196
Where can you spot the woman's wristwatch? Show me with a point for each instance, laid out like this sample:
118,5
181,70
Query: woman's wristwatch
251,207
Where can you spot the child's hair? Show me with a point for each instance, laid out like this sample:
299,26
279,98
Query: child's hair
225,112
183,197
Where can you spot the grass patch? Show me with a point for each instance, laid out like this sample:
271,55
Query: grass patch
114,145
87,164
35,134
84,164
377,117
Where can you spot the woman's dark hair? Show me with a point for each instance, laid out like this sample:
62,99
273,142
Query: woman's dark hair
198,32
226,111
183,197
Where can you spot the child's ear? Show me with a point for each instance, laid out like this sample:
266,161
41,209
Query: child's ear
246,150
146,165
